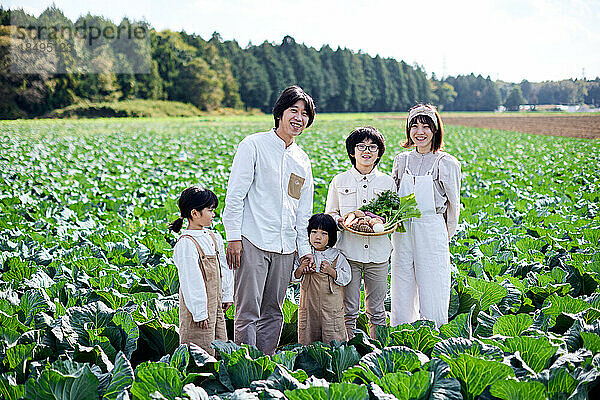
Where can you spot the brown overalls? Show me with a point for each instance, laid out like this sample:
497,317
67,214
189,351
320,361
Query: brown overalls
189,332
321,310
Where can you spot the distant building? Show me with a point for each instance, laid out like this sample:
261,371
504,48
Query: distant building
578,108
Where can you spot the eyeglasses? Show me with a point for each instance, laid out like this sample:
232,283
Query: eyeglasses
372,147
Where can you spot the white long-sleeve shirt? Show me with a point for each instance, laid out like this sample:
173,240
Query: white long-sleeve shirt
191,281
348,192
344,273
269,195
446,176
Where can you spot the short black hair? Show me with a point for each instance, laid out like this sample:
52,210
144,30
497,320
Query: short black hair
193,198
360,134
324,222
288,98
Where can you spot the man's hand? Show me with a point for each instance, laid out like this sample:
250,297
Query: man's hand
234,253
311,260
304,268
202,324
226,305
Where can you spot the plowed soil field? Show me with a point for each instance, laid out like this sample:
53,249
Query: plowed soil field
580,126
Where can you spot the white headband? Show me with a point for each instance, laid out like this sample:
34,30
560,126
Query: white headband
423,110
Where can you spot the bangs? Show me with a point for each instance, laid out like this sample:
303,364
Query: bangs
424,119
212,200
324,222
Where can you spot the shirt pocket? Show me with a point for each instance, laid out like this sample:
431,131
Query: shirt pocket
295,186
347,199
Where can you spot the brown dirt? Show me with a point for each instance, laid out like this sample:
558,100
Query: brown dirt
579,126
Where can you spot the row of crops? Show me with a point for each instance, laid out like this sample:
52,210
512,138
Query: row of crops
88,289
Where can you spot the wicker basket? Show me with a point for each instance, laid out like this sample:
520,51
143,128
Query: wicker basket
387,232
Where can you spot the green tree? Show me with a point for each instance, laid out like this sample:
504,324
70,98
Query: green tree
150,86
4,16
387,96
361,97
473,93
444,93
198,84
412,90
567,91
231,90
341,62
400,86
527,90
593,93
251,76
515,99
280,72
307,68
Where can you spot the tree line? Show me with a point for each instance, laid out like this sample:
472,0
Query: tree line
219,73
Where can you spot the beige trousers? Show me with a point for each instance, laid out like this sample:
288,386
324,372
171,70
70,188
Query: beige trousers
375,277
259,290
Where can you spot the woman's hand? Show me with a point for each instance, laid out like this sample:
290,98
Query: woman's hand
202,324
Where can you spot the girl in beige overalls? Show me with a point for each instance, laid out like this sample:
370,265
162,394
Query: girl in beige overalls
321,310
205,281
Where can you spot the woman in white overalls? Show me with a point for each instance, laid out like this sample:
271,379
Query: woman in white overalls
421,257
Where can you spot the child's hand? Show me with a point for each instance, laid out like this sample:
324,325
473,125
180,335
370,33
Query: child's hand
326,268
202,324
226,305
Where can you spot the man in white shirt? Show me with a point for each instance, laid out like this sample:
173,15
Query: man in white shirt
267,207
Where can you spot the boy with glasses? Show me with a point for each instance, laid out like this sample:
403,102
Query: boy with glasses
368,255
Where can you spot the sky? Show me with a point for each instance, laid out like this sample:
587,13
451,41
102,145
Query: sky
508,40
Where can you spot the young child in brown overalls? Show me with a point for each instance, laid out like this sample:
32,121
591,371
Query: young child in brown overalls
205,281
321,310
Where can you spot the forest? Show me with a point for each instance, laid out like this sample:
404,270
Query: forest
215,73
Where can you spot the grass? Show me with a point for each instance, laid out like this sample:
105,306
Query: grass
138,108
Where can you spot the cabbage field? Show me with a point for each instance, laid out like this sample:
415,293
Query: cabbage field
88,289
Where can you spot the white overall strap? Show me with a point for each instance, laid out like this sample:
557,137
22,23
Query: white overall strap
424,190
407,182
436,161
407,185
406,170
